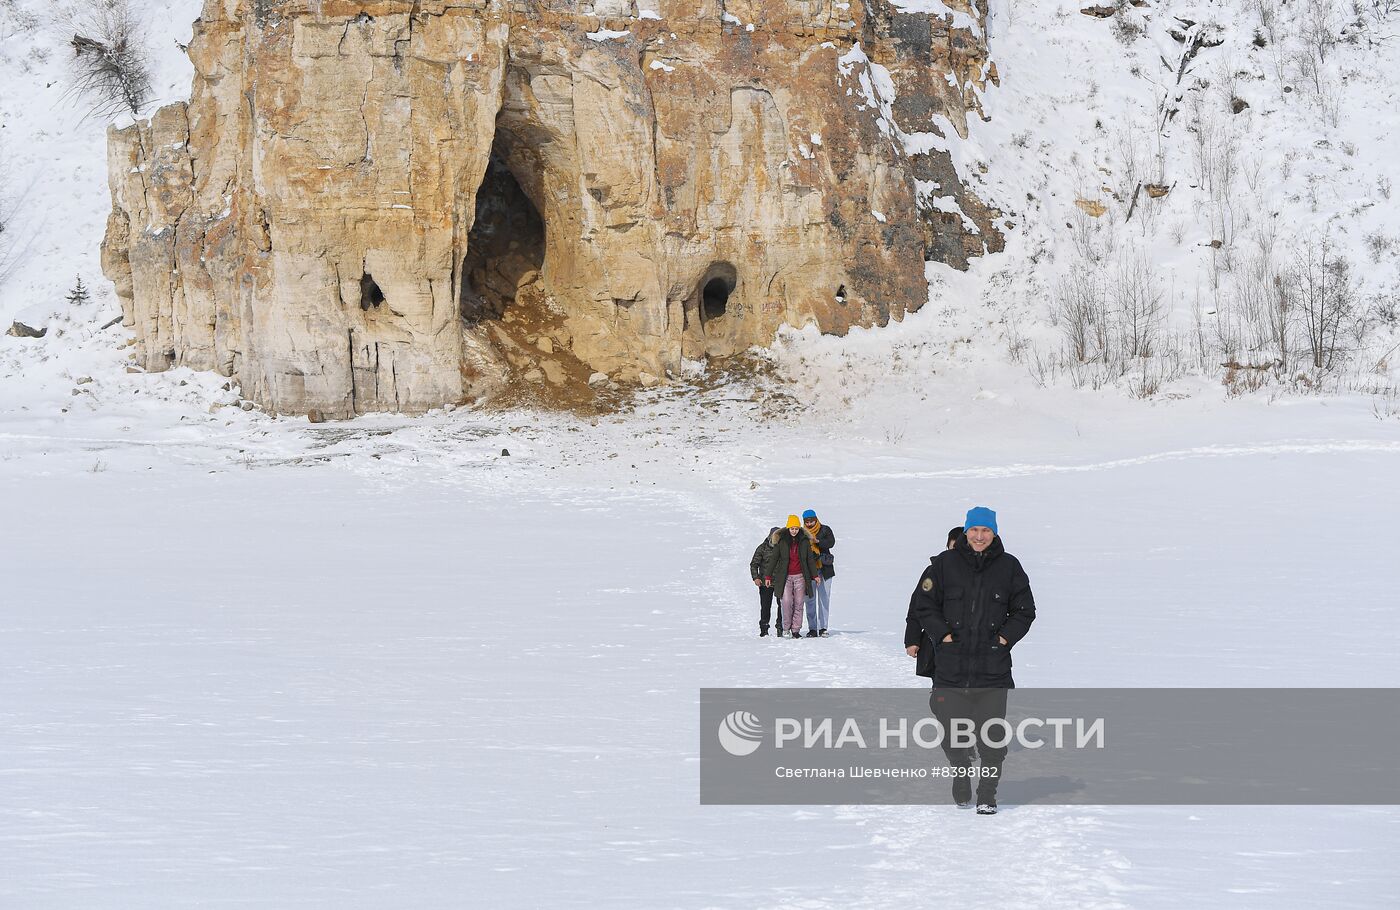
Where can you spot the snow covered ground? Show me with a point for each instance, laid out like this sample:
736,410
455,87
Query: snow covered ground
256,662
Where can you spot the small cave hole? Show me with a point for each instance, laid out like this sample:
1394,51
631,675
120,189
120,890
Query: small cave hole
370,294
841,294
714,299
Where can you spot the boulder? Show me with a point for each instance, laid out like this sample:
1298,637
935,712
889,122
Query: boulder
23,330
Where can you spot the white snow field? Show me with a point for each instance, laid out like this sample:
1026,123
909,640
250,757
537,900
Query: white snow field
253,662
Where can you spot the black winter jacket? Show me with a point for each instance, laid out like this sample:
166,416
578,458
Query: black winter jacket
914,634
977,598
758,565
826,539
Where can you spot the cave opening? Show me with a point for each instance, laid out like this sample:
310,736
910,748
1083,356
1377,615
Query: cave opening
713,293
506,246
714,299
370,293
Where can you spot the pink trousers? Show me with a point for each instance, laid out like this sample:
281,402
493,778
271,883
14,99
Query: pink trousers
794,596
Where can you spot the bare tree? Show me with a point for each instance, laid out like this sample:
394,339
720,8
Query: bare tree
111,68
1268,18
9,254
1319,28
1326,299
1374,17
1078,309
1138,309
1267,299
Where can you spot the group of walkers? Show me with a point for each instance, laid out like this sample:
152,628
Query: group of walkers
970,608
794,563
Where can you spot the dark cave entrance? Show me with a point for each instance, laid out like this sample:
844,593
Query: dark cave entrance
506,247
714,299
713,292
370,293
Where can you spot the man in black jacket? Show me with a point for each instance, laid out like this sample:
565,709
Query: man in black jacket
757,568
916,643
975,602
819,601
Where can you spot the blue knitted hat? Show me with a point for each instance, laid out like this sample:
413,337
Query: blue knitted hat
808,514
981,517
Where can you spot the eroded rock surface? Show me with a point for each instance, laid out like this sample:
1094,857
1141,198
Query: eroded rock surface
399,205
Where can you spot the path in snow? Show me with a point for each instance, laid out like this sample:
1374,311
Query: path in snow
346,684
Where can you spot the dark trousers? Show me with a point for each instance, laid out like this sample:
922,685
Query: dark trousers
765,606
978,706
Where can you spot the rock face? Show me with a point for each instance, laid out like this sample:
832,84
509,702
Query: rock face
397,205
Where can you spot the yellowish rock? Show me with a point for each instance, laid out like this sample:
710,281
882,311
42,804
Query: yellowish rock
1091,207
356,193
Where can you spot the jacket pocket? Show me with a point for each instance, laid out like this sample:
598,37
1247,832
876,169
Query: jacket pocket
998,659
955,608
950,664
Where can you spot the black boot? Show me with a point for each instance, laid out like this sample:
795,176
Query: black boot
762,631
822,633
812,633
987,795
962,791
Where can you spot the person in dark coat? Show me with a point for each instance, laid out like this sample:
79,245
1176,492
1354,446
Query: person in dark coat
975,603
757,569
790,570
819,600
916,643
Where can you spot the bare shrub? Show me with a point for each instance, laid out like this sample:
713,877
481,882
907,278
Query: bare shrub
1079,311
1267,11
1154,372
14,20
1016,343
1385,309
111,69
1125,26
1386,405
1326,299
1199,337
1137,308
1241,380
1085,232
9,247
1267,300
1044,367
1374,21
1216,155
1319,28
1379,245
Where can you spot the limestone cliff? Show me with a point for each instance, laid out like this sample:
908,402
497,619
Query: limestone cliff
395,205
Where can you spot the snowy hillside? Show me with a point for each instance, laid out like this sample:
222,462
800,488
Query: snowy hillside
53,150
1187,187
384,664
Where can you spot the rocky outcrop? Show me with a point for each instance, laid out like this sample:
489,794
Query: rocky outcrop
396,205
